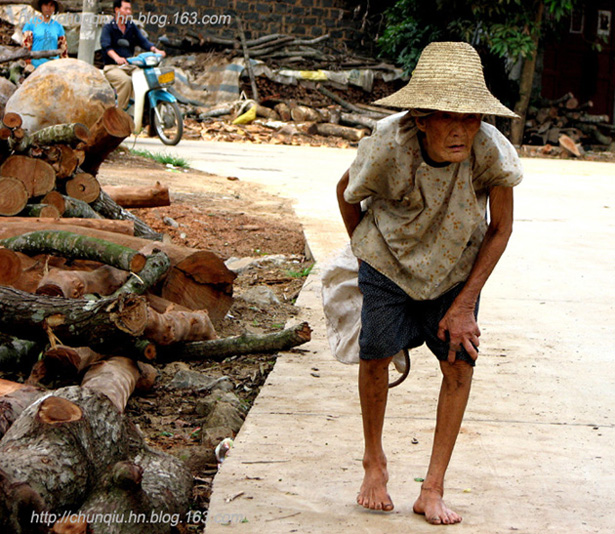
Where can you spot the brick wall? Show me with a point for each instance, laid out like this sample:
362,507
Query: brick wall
299,18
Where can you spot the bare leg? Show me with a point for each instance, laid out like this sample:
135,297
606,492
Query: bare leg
373,391
454,393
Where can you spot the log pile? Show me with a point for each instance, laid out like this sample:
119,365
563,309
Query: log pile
567,123
90,297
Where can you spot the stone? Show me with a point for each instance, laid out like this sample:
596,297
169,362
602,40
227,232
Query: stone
193,380
226,415
197,459
60,92
206,406
260,296
7,88
210,437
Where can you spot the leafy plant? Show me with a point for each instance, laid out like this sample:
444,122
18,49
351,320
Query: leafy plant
161,157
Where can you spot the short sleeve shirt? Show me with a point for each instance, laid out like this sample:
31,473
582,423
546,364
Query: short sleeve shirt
44,36
425,224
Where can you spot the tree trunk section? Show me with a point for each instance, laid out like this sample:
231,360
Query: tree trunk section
14,399
69,134
83,186
46,211
76,246
525,84
156,266
17,354
105,136
13,196
139,197
178,326
351,134
37,175
55,199
10,266
219,349
74,284
116,378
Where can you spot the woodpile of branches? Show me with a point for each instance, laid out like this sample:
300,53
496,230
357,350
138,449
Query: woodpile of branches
567,123
90,293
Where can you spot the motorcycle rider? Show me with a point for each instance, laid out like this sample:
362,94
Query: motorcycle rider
117,70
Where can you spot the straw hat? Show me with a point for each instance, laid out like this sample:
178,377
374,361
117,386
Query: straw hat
36,4
448,77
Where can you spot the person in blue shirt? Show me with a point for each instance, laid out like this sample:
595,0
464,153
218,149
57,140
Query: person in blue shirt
116,69
43,33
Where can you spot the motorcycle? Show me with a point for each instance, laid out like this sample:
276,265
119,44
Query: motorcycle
153,105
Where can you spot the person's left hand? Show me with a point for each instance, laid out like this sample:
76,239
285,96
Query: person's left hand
158,51
458,327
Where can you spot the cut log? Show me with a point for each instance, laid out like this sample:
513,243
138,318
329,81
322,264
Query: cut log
63,361
74,284
139,197
12,226
352,134
156,266
70,134
83,186
219,349
116,378
17,354
569,145
76,246
37,175
283,111
105,136
10,267
13,196
76,208
12,120
82,455
53,198
74,321
14,399
108,208
355,119
66,163
178,326
305,114
40,210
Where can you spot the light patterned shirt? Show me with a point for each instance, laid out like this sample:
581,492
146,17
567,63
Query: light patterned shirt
425,224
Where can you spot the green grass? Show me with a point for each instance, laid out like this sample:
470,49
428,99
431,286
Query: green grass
300,274
161,157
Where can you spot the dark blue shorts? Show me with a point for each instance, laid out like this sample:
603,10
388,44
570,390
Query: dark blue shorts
392,321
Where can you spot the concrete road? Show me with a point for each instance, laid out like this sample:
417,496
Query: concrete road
535,453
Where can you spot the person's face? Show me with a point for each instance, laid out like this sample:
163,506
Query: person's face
449,136
48,9
123,13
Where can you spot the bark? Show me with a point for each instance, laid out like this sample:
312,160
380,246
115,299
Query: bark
70,134
139,197
12,226
355,119
352,134
10,266
305,114
13,196
17,354
83,186
109,209
66,162
246,59
37,175
525,84
74,321
156,266
74,207
74,284
74,451
24,53
105,136
76,246
219,349
46,211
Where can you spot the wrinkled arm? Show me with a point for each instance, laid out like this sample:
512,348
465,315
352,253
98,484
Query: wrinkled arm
63,46
351,213
459,322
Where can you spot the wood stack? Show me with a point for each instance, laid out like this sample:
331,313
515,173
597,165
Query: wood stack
86,302
568,123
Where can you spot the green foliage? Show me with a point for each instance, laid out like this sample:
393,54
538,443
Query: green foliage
504,27
161,157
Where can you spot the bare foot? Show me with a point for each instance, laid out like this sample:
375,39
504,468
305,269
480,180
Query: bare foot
373,494
431,505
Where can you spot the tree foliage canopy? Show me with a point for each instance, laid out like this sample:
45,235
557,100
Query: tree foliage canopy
505,27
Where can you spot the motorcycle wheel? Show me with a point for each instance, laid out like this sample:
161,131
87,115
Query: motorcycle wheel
168,122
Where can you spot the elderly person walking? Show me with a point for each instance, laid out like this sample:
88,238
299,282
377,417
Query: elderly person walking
426,247
42,33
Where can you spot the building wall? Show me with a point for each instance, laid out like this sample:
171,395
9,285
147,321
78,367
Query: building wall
298,18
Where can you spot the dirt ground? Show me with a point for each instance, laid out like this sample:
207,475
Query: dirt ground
233,219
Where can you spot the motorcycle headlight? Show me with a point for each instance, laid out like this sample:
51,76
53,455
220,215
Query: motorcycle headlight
152,61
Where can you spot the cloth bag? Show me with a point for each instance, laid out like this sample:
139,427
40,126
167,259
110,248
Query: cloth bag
342,301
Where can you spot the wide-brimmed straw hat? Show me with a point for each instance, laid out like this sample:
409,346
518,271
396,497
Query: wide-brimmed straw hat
448,77
36,4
